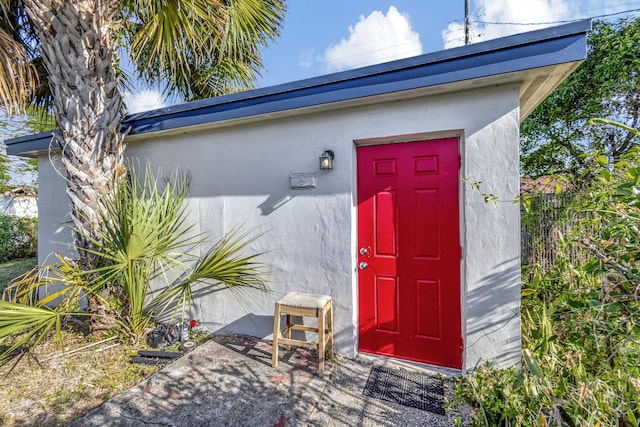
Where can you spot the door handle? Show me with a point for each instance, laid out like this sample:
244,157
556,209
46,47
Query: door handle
363,265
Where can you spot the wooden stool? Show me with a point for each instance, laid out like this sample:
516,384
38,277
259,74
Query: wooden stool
306,305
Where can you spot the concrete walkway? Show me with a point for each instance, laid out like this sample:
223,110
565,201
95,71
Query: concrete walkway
229,381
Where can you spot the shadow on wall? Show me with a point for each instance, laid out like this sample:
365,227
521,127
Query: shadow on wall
274,201
493,316
216,301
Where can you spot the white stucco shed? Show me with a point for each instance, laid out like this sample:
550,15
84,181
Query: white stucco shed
440,283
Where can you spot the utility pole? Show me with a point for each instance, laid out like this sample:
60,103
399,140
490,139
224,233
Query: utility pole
467,23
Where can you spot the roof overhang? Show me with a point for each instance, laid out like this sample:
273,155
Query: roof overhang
538,60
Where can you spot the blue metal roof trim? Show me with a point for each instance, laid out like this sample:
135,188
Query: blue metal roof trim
549,46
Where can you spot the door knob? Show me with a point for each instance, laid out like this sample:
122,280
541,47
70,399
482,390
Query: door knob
363,265
364,251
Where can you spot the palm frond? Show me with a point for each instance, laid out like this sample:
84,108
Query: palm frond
222,267
144,236
142,222
166,35
223,77
184,42
28,325
24,289
251,24
64,274
18,75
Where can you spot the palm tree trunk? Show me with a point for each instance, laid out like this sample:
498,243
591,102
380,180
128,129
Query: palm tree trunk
78,46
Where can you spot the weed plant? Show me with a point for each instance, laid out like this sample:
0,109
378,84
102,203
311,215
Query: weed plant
580,319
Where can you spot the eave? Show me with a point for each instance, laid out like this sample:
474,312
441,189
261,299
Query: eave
537,60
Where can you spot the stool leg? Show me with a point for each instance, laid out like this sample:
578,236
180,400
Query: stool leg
321,339
330,328
288,329
276,335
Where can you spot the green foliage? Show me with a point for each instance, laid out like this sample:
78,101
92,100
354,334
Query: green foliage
580,319
5,167
146,237
18,237
607,84
580,358
25,320
146,268
201,48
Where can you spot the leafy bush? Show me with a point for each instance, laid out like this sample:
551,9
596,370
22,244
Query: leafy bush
580,319
580,363
18,237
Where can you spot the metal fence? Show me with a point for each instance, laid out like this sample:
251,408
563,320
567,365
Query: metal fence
542,228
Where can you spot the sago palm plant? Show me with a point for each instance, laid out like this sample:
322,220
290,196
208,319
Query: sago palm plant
146,267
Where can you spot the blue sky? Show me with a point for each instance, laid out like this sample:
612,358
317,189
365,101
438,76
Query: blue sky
313,26
323,36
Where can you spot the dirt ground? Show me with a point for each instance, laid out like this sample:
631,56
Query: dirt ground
54,387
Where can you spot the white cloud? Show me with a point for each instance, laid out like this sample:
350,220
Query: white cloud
538,13
144,100
453,35
305,60
374,39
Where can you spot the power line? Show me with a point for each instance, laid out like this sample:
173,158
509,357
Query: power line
558,22
531,9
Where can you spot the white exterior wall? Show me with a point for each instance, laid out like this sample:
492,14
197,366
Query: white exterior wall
54,219
23,207
240,176
491,242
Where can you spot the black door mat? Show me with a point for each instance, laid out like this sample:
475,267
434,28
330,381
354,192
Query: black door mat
411,389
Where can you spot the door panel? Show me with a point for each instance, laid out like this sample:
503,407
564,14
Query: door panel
385,223
386,303
427,235
428,301
409,251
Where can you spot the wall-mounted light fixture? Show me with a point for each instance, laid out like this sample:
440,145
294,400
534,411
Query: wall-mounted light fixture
326,160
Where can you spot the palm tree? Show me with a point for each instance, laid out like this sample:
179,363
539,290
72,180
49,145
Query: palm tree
198,48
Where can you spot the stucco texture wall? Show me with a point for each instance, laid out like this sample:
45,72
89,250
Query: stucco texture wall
240,177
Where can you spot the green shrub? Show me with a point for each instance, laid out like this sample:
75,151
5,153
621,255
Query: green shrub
18,237
580,358
580,319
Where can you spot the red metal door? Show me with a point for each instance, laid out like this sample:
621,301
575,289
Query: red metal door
409,251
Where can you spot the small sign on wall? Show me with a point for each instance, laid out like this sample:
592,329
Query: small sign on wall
302,180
